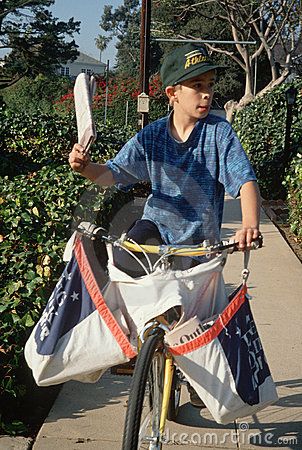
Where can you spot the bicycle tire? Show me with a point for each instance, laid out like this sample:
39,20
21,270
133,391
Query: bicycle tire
174,400
141,399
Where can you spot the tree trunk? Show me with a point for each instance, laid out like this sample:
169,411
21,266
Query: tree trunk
232,106
230,109
248,74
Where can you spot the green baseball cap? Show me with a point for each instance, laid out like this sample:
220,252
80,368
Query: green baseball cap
185,62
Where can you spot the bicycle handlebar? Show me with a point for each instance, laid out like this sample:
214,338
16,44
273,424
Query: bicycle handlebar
94,232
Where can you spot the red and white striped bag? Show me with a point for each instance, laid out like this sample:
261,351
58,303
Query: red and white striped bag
80,334
223,360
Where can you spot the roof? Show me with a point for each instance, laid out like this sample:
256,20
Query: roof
86,59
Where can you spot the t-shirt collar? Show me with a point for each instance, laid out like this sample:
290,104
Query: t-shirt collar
169,121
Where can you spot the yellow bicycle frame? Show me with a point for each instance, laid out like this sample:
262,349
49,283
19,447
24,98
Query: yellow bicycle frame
168,377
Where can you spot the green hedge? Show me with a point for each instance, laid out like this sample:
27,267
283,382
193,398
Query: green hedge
28,95
30,142
37,211
261,129
293,183
39,204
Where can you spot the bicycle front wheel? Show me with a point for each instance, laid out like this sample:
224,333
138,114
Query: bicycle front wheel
145,400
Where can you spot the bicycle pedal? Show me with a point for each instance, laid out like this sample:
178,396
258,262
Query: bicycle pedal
121,371
124,369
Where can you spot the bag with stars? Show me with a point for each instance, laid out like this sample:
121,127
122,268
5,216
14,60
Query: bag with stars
223,360
79,335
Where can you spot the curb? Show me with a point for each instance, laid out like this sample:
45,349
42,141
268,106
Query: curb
15,443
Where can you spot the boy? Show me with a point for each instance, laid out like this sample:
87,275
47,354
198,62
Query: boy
190,159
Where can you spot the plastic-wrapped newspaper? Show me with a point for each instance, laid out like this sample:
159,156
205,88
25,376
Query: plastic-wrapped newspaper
84,90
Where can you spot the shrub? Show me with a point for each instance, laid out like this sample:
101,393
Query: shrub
30,142
37,211
293,183
37,204
122,95
35,96
261,129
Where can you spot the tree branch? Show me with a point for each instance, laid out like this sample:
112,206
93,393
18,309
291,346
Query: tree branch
21,4
228,53
7,83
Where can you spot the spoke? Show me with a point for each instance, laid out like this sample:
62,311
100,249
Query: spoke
149,428
144,432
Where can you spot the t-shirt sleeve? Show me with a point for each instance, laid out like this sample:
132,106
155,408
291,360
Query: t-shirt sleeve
129,166
234,166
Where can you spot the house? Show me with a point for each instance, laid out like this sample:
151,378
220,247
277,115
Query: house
83,64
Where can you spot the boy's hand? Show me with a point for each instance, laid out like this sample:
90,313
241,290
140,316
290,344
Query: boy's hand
245,237
77,160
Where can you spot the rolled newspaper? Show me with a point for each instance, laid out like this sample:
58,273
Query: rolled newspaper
189,330
84,90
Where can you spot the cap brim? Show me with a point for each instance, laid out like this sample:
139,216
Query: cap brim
198,71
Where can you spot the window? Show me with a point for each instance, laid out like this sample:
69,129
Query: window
64,71
88,71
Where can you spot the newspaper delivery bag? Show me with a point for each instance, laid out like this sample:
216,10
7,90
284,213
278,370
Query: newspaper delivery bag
223,360
79,335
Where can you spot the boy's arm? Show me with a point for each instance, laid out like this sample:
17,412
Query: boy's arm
98,173
250,208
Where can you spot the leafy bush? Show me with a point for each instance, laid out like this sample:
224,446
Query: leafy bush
37,211
30,142
293,183
29,96
122,95
261,129
37,204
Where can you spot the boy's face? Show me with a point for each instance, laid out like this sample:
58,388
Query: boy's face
193,97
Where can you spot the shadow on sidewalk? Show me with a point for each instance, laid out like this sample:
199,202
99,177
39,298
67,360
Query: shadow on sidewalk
275,427
76,399
281,424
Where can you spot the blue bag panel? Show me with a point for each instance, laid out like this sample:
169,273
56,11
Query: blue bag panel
243,349
69,304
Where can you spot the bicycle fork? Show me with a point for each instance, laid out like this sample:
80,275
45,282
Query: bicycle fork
169,368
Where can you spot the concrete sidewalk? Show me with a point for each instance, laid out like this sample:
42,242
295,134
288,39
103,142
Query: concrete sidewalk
91,417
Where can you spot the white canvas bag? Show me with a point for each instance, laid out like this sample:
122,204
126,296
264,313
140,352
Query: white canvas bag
79,335
199,290
224,362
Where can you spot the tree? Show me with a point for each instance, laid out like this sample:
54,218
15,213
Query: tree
171,19
274,25
124,24
34,38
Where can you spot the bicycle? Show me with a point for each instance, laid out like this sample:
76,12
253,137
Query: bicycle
156,383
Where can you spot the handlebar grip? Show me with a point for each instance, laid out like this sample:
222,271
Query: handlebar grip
92,231
256,243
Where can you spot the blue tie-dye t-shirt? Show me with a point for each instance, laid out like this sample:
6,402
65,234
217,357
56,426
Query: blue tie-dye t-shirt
188,179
